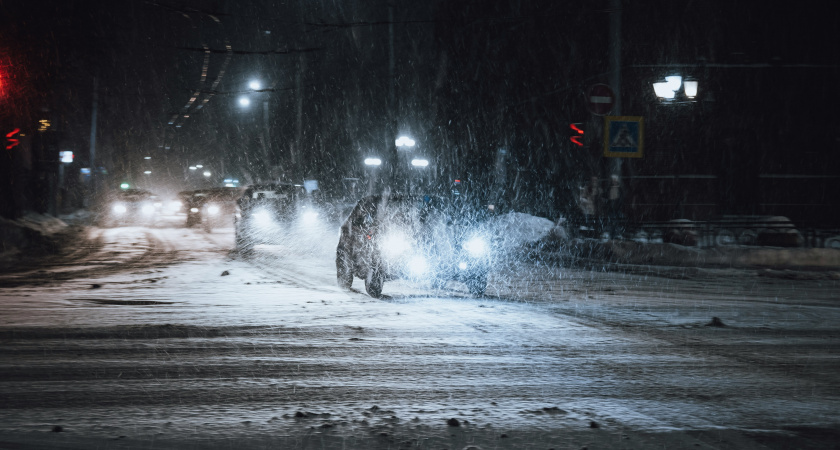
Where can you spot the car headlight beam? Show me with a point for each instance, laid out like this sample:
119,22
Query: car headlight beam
476,246
395,244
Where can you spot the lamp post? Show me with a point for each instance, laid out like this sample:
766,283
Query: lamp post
419,164
255,87
373,164
404,145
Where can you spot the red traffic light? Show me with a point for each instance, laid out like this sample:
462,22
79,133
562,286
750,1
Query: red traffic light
11,142
576,138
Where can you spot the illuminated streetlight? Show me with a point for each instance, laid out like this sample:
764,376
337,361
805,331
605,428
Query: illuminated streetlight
404,141
244,101
193,167
147,172
668,89
147,157
199,166
373,161
255,85
206,173
419,162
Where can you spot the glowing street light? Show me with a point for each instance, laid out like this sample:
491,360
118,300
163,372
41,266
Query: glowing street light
419,162
254,85
404,141
668,89
244,101
207,173
193,167
373,161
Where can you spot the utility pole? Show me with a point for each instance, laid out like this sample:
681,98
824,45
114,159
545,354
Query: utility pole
615,69
93,170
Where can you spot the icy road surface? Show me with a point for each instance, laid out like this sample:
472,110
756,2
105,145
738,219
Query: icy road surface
162,338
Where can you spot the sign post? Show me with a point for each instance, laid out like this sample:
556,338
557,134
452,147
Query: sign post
624,136
600,99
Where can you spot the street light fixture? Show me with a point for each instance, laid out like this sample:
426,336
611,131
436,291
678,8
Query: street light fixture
193,167
207,173
199,166
244,101
419,162
668,89
404,141
254,85
373,161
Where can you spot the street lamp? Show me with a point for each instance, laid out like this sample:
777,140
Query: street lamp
667,90
373,161
419,162
254,85
207,173
404,141
244,101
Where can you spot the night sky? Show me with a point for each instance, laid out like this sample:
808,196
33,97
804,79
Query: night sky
469,78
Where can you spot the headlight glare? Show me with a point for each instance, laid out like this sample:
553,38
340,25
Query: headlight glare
119,208
476,246
395,244
213,210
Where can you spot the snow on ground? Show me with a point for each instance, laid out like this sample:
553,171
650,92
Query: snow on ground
163,338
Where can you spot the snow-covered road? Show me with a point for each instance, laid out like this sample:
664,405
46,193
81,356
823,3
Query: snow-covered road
162,338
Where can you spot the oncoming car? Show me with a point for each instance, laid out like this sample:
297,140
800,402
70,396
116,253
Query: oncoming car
264,212
422,238
131,207
211,208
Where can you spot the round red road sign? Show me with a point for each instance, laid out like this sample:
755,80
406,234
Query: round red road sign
600,99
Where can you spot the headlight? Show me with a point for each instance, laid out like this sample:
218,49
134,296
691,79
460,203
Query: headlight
418,266
394,244
194,210
309,217
263,218
119,208
213,210
148,209
476,246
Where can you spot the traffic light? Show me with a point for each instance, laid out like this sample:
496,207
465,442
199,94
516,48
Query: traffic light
12,140
576,133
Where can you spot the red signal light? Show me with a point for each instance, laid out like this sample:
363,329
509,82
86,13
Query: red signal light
576,139
11,142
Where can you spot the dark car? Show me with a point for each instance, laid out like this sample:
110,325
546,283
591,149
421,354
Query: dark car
131,207
263,212
211,208
424,238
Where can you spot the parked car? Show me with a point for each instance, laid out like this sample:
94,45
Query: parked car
417,237
211,208
130,207
263,212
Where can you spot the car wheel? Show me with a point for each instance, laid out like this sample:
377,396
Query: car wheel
243,245
477,284
344,272
373,282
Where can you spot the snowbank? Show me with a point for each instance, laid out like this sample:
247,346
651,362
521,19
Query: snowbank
30,230
515,230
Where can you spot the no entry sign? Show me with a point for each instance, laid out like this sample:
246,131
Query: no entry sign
600,99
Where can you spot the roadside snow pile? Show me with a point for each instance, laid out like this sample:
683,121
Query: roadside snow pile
516,230
29,230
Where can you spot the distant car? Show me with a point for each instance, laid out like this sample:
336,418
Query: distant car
413,237
263,211
211,208
131,207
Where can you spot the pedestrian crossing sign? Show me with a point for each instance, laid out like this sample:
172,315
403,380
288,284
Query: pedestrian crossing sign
624,136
